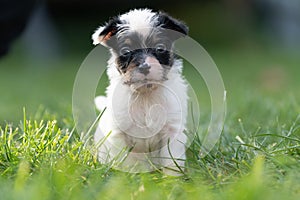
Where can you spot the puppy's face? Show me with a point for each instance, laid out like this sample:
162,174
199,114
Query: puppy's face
141,42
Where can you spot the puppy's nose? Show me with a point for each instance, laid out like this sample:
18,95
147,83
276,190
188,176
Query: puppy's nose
144,68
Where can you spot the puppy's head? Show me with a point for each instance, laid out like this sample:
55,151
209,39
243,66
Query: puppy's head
141,43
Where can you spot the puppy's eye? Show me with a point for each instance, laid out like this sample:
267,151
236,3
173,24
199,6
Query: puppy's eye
160,48
125,51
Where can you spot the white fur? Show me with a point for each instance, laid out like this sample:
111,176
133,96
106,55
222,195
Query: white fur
146,119
138,19
95,36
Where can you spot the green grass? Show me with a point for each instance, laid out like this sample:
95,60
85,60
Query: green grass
41,159
257,156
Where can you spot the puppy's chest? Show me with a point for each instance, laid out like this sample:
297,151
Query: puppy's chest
145,123
143,116
148,114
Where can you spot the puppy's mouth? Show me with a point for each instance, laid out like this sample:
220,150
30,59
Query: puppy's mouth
149,85
146,82
144,86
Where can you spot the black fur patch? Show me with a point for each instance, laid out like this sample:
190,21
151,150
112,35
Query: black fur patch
168,22
138,53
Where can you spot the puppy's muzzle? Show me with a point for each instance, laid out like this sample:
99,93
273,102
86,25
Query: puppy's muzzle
144,68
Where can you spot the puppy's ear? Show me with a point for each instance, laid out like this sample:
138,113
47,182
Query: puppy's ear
167,22
104,33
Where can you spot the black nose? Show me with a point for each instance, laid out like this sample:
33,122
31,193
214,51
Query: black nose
144,68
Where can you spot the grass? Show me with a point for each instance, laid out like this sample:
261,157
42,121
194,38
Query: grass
40,159
257,156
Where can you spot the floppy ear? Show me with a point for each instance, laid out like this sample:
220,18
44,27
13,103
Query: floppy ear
167,22
104,33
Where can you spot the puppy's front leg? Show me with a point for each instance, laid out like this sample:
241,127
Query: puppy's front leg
173,154
110,146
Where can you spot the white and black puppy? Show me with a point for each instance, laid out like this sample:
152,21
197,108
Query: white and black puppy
146,100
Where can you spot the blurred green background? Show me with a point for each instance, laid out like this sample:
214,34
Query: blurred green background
254,43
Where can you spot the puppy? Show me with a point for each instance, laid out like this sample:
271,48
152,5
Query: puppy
142,128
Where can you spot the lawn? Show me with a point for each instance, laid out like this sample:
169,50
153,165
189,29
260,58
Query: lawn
257,156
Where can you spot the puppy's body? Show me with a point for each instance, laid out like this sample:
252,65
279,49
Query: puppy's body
146,100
